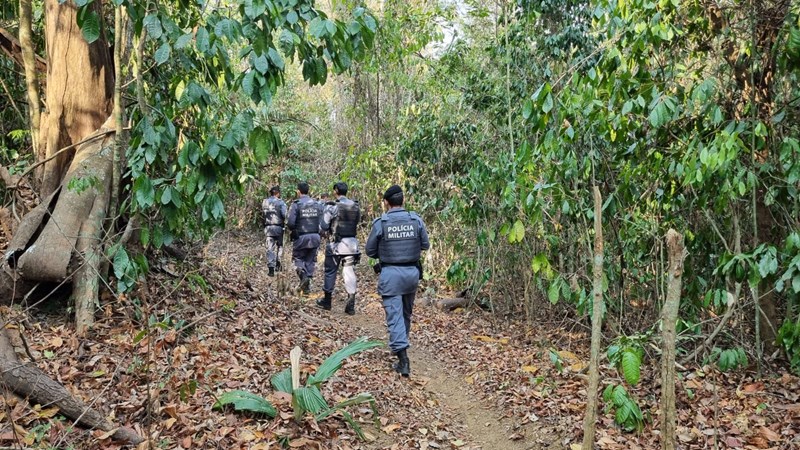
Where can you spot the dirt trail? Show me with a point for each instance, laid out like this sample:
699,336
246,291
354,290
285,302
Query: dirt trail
455,415
484,426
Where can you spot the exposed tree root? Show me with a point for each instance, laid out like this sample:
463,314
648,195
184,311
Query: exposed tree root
27,380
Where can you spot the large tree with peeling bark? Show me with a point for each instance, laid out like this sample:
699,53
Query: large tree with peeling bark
181,155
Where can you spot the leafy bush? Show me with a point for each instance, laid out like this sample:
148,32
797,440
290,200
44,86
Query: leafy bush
627,413
789,340
626,355
730,359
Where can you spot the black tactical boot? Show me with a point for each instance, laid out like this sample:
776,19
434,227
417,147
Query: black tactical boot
403,366
305,285
278,267
350,308
325,303
271,272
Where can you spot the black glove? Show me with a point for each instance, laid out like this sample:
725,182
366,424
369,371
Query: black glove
293,235
377,268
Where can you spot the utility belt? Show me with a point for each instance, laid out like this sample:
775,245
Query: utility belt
339,237
408,264
418,264
308,232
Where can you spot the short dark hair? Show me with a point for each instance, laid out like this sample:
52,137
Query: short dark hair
340,188
396,199
302,187
274,190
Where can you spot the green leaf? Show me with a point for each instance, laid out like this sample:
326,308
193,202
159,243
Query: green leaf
144,192
547,106
89,23
317,27
275,58
262,144
163,53
282,381
620,396
261,63
202,39
292,17
246,401
330,26
334,362
183,41
287,41
627,107
166,197
153,26
554,291
608,393
527,109
121,262
310,399
227,28
631,366
517,233
248,85
254,8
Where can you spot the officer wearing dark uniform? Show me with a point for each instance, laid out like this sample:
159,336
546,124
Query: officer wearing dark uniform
303,221
340,219
274,219
396,240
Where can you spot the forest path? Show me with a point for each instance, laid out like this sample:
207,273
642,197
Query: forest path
457,396
484,426
468,420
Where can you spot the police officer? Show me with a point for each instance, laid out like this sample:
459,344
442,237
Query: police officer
396,240
274,218
340,218
303,221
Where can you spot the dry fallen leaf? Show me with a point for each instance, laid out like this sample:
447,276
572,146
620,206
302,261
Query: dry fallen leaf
390,428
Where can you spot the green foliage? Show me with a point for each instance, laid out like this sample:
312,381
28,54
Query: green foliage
729,359
626,411
626,355
246,401
127,270
80,184
556,360
309,398
789,340
334,362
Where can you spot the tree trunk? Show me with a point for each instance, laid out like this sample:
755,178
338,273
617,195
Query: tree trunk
669,419
80,84
90,243
597,323
29,59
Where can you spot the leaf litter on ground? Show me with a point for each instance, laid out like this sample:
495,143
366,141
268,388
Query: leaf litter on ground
159,359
